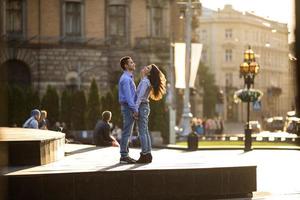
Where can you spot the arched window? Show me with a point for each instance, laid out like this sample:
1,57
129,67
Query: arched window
15,72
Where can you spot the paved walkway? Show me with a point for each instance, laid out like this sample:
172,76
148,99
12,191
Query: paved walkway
278,174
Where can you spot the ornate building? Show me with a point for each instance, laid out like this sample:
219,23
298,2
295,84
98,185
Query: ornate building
66,43
225,34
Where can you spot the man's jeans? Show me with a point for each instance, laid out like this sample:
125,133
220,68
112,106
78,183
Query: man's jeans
128,122
144,111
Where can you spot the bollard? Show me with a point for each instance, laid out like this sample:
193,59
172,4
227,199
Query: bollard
192,141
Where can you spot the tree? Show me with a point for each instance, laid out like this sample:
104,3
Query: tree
66,107
210,91
3,105
107,102
16,106
93,106
159,118
116,108
50,103
78,110
32,100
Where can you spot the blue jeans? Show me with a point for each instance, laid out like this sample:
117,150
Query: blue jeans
128,122
144,111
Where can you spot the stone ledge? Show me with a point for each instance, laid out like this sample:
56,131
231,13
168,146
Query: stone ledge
26,147
208,183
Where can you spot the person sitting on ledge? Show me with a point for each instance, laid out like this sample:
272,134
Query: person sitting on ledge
33,121
43,122
102,133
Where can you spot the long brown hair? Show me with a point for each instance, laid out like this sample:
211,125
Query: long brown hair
158,83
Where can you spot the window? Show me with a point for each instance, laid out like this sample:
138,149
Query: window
14,17
157,22
228,55
73,21
117,20
203,35
228,33
228,79
117,23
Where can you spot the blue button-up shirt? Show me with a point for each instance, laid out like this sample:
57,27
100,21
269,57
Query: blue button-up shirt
127,90
142,92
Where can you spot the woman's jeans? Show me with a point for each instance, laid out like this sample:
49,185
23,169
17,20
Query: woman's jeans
128,122
144,111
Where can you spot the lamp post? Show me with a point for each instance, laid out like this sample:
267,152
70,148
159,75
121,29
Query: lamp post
248,69
186,11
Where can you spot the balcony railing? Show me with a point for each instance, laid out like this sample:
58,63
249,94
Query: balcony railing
152,43
52,40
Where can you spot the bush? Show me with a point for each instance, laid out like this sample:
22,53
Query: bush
3,105
116,108
50,103
159,118
93,106
78,111
66,107
16,106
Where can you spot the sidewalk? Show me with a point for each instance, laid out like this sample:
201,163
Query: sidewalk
278,176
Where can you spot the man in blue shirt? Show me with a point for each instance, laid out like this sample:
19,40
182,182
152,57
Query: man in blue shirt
127,99
32,122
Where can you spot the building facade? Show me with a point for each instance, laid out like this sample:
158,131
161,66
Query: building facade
67,43
226,34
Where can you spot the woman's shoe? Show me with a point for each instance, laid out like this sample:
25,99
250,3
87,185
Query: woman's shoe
145,158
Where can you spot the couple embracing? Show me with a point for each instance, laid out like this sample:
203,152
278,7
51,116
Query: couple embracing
135,106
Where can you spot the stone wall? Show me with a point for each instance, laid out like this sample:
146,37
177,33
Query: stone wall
57,63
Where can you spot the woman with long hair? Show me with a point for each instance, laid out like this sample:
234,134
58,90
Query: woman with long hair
153,85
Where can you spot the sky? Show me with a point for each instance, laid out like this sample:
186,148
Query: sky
277,10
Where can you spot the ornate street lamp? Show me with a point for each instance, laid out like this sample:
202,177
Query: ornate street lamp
248,69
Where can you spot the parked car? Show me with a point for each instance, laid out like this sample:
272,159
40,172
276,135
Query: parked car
275,124
255,126
292,123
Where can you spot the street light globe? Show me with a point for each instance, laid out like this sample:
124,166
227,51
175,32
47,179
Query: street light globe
253,67
244,68
246,55
251,54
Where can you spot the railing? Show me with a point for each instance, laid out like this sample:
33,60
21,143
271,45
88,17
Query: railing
152,43
53,40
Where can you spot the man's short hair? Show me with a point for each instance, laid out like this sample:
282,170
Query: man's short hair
124,61
106,115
